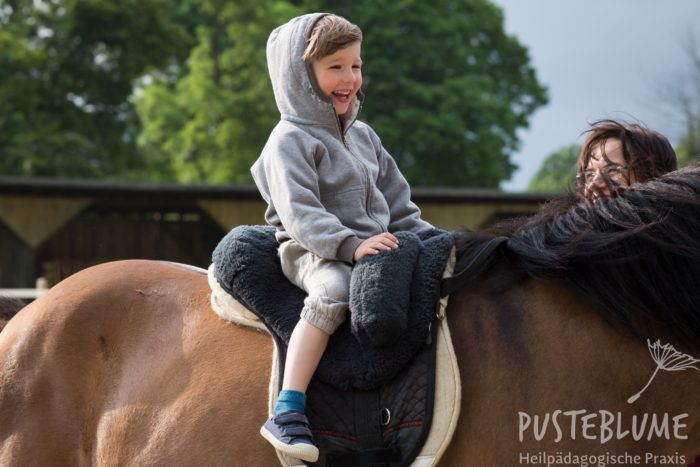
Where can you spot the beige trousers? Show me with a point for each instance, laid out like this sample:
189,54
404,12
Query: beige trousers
326,282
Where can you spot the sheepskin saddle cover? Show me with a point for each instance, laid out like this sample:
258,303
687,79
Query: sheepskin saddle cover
393,298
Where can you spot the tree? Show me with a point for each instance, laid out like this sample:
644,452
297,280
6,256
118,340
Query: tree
18,100
447,106
447,89
211,124
66,72
179,90
558,171
689,149
681,98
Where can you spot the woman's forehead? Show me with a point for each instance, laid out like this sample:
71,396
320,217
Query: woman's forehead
607,151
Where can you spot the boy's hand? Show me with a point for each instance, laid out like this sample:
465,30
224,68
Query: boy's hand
373,245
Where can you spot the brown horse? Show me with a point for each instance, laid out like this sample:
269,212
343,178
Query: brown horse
126,364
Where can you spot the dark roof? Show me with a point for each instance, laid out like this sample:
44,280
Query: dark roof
172,192
99,188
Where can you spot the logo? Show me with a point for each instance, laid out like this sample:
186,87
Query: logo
667,358
604,426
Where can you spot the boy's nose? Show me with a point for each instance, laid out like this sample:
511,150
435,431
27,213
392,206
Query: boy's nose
349,77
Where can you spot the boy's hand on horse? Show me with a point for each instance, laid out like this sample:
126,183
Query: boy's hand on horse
375,244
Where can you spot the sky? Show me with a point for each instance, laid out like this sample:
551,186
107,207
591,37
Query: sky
599,59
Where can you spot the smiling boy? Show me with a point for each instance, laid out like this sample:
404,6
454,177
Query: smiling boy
334,195
339,76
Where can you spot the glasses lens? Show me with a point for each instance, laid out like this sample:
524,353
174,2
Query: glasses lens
615,172
589,175
612,172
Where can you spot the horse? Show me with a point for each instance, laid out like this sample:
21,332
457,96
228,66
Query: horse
125,363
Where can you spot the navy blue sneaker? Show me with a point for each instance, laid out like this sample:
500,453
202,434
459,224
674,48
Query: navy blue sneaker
289,432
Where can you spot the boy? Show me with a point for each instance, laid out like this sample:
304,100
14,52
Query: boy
334,195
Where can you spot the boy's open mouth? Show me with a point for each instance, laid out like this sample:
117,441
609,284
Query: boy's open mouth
341,96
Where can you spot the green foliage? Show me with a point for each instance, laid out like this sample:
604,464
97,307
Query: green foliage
447,89
66,72
688,150
558,171
679,95
179,90
211,124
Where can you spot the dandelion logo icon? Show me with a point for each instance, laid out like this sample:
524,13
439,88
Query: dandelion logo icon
666,358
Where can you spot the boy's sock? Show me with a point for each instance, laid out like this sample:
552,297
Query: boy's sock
289,399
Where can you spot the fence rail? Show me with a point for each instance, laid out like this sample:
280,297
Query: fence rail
27,294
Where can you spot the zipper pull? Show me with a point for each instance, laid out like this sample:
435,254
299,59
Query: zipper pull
429,340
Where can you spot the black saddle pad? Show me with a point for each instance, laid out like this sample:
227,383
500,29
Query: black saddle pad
385,426
247,266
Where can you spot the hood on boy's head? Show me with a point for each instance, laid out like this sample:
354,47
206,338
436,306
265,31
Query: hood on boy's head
298,97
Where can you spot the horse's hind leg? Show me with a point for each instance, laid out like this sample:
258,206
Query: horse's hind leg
126,364
58,361
39,419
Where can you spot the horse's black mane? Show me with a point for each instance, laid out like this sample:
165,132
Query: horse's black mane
635,258
9,307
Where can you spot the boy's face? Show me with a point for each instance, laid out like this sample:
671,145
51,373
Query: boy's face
339,76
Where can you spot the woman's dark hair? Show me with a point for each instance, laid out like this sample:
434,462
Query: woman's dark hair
648,153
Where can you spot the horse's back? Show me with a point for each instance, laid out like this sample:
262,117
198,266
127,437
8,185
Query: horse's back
125,363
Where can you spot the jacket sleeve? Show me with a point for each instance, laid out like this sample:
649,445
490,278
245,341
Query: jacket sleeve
405,215
292,181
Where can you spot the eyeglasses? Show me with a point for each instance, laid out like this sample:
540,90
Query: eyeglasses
612,172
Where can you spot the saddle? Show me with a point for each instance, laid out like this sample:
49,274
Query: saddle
369,403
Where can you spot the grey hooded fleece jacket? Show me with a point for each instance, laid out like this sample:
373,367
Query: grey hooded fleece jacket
328,181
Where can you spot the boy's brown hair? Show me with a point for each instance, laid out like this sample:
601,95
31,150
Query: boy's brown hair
330,34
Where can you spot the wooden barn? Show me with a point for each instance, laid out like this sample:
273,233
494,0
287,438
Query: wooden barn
51,228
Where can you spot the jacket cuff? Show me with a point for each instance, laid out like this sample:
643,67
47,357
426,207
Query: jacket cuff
347,248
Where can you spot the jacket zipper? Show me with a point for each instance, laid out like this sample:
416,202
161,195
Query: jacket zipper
365,170
368,180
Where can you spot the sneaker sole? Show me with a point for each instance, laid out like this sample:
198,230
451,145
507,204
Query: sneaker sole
302,451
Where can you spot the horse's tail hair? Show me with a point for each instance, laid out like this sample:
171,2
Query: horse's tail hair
8,308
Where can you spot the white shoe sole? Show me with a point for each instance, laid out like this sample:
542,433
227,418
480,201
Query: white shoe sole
302,451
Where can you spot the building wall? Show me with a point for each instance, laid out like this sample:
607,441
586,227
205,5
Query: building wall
52,228
17,261
98,235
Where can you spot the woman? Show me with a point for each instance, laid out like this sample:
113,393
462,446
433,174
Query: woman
617,154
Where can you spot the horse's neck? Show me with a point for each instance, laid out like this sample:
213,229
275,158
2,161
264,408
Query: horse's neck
535,349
